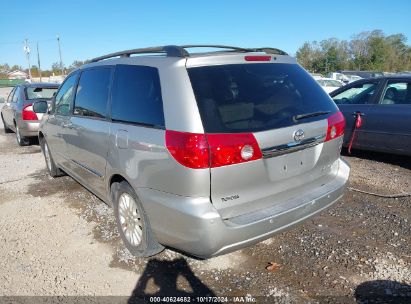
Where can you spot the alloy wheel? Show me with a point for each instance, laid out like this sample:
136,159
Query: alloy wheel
130,219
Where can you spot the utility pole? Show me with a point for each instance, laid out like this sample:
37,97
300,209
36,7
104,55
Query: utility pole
61,62
326,64
38,60
26,49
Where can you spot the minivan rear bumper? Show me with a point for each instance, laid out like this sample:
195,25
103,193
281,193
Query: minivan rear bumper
194,226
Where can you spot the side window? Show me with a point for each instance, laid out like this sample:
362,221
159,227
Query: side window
65,96
396,93
16,95
92,93
136,96
10,97
358,94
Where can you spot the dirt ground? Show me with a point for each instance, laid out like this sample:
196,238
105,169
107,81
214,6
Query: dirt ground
57,239
4,92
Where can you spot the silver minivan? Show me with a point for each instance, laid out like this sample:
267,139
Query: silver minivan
203,152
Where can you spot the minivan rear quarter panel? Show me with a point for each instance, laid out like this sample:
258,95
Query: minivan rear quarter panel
145,160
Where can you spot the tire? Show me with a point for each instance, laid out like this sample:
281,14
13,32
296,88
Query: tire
53,170
6,129
132,222
21,140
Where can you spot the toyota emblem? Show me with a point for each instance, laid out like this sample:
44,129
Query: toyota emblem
299,135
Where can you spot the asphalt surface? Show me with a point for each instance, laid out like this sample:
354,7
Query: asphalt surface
56,238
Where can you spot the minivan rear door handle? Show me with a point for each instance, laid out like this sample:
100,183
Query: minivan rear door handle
358,112
122,139
68,125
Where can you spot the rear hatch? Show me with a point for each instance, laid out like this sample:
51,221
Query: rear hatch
279,111
38,93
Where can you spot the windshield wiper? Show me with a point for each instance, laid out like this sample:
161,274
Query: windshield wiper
307,115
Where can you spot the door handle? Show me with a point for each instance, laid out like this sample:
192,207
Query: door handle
68,125
358,113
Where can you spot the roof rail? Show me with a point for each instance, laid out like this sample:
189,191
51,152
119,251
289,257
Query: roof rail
266,50
169,50
180,51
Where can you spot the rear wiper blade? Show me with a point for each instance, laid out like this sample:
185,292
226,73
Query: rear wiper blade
307,115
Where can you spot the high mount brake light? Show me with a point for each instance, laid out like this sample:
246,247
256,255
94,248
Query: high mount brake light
257,58
336,125
199,151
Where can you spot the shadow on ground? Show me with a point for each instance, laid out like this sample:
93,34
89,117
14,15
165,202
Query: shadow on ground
393,159
168,279
383,291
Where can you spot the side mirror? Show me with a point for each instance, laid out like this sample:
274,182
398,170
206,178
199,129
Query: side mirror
40,106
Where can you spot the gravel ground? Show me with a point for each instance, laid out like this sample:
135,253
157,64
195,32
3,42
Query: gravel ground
58,239
4,92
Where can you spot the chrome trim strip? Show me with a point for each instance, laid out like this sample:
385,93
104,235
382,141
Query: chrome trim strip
293,146
87,168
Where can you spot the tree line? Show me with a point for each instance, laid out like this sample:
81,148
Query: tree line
56,69
366,51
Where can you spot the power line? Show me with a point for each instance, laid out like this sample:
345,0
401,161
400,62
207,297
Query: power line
36,40
3,43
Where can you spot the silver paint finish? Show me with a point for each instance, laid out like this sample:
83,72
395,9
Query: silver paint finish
270,180
220,59
146,163
205,233
268,194
87,147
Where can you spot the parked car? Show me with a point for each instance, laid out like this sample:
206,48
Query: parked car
17,113
352,78
203,152
329,84
316,76
338,76
385,106
362,74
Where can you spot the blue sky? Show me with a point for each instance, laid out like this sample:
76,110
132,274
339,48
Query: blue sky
92,28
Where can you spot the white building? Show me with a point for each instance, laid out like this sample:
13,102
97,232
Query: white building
17,75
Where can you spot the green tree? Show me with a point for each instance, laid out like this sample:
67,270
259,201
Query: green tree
56,68
305,55
76,64
365,51
16,67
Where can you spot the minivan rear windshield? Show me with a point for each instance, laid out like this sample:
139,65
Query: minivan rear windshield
256,97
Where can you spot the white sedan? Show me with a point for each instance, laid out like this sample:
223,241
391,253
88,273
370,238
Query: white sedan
329,84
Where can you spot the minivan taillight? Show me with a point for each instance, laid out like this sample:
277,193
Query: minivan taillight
28,113
336,125
230,149
199,151
189,149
